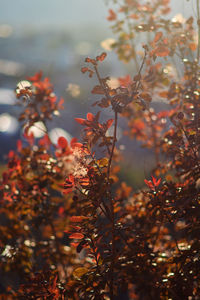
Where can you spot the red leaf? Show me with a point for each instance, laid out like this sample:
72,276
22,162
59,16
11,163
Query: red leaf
19,145
61,210
77,145
60,103
80,121
73,140
90,117
62,142
45,141
76,235
149,184
66,192
36,77
78,219
109,123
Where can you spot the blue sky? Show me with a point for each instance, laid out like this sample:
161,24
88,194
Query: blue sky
51,13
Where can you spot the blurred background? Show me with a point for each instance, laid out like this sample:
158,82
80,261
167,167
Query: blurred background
55,36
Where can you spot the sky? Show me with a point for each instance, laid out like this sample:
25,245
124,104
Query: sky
50,13
60,13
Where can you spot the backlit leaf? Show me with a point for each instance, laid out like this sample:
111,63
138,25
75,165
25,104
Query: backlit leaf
79,272
76,235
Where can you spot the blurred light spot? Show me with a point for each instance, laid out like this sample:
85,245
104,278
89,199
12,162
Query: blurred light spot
178,18
55,133
7,97
38,130
83,48
11,68
8,124
24,84
122,147
5,30
73,89
7,251
107,44
113,83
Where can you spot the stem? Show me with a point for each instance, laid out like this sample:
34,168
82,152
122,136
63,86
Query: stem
137,84
101,82
113,146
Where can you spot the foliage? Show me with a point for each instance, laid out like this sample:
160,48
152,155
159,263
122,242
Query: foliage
69,229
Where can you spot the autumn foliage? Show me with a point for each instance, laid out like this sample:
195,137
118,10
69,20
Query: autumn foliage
69,228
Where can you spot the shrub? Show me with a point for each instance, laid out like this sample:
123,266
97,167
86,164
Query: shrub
69,228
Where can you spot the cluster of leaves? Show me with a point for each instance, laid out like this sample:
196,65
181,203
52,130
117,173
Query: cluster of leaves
70,229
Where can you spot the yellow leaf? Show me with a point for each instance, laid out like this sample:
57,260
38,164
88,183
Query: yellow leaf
79,272
103,162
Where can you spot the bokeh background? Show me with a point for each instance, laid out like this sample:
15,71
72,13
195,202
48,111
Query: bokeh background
55,36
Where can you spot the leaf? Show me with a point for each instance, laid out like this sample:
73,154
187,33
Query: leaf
97,90
36,77
162,51
149,183
101,57
78,219
79,272
76,235
62,142
84,69
163,94
80,121
90,60
125,81
146,97
103,162
112,15
193,46
60,103
109,123
19,145
90,117
158,36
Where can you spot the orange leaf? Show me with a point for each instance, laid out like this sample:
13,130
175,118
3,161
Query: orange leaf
80,121
90,117
162,51
158,36
97,90
163,94
146,97
76,235
125,81
78,219
193,46
112,15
